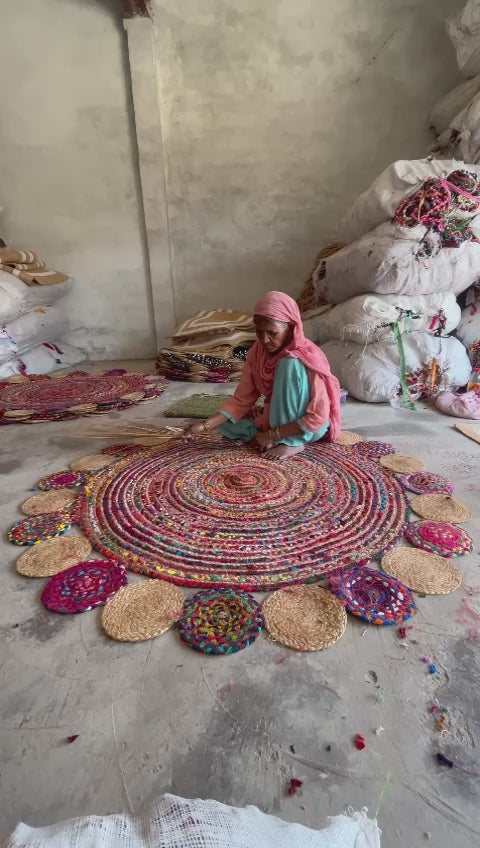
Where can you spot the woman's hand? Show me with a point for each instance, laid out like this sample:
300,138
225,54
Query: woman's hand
264,441
196,429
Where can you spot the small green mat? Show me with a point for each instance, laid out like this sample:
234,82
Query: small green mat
196,406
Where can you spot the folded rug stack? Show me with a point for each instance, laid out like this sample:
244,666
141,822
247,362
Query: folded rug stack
210,347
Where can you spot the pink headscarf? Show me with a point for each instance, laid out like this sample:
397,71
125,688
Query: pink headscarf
282,307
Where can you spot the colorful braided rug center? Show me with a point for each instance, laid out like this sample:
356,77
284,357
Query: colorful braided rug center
69,395
207,514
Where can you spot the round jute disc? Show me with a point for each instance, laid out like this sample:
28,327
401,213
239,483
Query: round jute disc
49,558
440,508
306,618
347,438
92,462
15,414
401,464
142,610
49,502
422,571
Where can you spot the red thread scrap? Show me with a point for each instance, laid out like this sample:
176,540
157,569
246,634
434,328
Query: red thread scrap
402,632
295,784
71,739
359,742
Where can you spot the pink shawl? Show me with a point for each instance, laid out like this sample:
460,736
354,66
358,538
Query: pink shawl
281,307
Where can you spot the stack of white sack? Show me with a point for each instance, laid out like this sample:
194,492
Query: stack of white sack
468,330
370,317
413,245
456,116
372,373
30,327
16,298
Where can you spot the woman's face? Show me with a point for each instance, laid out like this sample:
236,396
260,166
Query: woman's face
273,335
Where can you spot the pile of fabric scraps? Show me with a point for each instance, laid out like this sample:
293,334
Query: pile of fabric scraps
412,246
31,323
210,347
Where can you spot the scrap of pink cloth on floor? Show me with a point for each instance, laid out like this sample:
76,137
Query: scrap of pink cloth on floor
460,406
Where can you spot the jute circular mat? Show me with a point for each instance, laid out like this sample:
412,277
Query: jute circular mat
142,610
49,502
62,396
306,618
401,464
348,438
92,462
422,571
180,513
49,558
440,508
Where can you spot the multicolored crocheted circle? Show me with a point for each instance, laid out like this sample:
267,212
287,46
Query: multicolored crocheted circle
422,483
83,586
220,621
438,537
372,450
206,514
56,397
372,595
61,479
121,450
39,528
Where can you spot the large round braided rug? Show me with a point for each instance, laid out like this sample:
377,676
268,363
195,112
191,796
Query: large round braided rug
52,398
209,514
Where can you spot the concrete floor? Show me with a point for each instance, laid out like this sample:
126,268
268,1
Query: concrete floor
156,716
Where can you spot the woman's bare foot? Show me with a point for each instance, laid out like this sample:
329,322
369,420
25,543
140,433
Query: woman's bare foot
282,452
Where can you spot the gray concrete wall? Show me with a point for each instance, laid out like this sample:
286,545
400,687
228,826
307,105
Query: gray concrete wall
68,164
275,114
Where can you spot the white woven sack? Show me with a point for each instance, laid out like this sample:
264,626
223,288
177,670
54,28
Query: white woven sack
462,137
378,203
172,822
367,318
449,106
464,30
43,359
468,330
372,373
16,298
30,330
385,262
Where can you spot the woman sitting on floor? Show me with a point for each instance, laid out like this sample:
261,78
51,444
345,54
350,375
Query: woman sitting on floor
302,397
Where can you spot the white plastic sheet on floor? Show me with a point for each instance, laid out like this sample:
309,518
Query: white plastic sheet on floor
372,372
367,318
172,822
385,261
464,30
16,298
30,330
43,359
378,203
